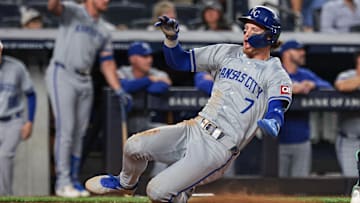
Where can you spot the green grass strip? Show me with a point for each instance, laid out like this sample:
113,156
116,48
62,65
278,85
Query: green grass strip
82,199
326,199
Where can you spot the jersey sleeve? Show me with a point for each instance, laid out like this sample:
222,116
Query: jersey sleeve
207,58
70,10
106,51
279,87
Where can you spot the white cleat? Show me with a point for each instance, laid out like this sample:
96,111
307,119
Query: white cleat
107,184
67,191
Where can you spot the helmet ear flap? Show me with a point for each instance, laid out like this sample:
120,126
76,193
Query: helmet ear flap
260,40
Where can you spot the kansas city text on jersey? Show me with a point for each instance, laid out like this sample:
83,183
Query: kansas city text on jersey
248,81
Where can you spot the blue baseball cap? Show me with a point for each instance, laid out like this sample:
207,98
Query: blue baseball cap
291,44
139,48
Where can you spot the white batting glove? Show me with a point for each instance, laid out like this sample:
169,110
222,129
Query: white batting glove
169,26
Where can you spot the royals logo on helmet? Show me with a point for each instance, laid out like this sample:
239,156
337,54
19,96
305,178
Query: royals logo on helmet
285,89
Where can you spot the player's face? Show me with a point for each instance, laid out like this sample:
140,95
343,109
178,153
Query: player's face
249,30
297,56
101,5
171,13
142,63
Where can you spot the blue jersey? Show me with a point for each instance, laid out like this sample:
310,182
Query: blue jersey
296,127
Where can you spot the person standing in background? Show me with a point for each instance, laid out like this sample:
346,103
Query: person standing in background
294,137
15,82
348,139
82,38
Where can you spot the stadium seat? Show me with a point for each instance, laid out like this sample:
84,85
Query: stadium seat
125,13
9,15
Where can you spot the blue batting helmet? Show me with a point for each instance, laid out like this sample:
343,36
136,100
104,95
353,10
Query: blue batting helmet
266,18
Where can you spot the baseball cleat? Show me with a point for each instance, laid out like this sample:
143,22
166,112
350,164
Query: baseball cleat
80,188
67,191
107,184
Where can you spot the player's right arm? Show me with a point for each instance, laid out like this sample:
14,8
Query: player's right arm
55,7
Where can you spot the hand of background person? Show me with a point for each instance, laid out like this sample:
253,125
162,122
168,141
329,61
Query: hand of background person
26,130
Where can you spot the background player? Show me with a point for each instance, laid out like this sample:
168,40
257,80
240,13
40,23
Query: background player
82,37
15,82
140,76
294,138
248,82
348,139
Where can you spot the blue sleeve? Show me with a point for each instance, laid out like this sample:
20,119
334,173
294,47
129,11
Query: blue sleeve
158,88
320,83
202,84
276,111
31,99
132,86
177,58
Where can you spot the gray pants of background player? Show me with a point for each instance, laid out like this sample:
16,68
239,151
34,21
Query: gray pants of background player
194,157
71,98
10,138
345,151
295,159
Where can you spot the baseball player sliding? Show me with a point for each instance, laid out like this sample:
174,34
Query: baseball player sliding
15,82
81,38
251,90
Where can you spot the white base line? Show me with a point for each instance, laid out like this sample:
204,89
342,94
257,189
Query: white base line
203,194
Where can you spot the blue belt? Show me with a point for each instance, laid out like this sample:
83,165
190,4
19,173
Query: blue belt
8,118
79,72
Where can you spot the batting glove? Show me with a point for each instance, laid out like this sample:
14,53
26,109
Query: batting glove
124,99
169,26
269,127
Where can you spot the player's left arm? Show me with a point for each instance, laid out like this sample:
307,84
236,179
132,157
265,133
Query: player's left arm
279,99
28,89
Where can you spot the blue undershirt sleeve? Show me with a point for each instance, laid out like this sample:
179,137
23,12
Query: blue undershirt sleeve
31,100
158,88
276,111
202,84
177,58
135,85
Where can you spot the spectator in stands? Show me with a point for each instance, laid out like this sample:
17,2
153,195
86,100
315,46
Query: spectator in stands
213,19
166,8
348,139
310,10
294,137
141,77
340,15
31,19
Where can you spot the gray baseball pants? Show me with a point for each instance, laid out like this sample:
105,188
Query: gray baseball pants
71,98
194,157
10,138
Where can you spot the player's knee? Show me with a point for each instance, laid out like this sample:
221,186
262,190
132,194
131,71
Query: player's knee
133,147
157,192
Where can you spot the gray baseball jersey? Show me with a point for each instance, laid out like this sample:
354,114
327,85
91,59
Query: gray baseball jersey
14,83
242,89
347,144
80,40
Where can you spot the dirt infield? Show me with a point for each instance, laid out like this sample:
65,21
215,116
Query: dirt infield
245,198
